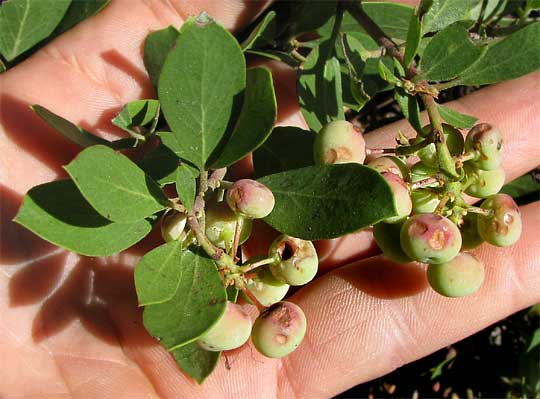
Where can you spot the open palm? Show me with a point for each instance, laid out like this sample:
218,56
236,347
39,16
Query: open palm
70,326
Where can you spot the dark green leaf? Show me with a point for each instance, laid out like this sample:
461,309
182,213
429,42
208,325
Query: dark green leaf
354,56
449,53
445,12
308,15
161,164
197,305
328,201
58,213
156,273
287,148
259,112
116,187
186,184
263,34
319,88
512,57
77,12
454,118
24,23
410,108
157,46
386,73
137,114
275,55
195,361
414,34
67,129
523,186
200,88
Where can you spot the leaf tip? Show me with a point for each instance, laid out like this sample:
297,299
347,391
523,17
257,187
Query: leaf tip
203,19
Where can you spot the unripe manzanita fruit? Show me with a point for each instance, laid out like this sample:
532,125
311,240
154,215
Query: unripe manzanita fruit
402,198
470,238
430,238
173,225
230,332
296,260
454,141
279,330
487,143
387,238
339,142
458,277
250,199
265,287
220,224
424,201
391,164
503,227
484,182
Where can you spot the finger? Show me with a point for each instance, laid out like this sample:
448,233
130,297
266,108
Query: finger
370,317
86,75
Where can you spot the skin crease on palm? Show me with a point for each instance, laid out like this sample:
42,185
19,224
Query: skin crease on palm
70,326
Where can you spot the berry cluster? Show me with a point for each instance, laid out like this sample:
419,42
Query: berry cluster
263,281
433,221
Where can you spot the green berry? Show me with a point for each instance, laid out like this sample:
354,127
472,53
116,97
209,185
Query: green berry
230,332
424,201
469,232
458,277
265,287
430,238
296,260
220,225
487,144
392,165
279,330
173,226
484,182
503,227
402,198
339,142
454,141
250,199
387,238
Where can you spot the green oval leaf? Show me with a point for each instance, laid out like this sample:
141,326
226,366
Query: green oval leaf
27,22
136,115
263,35
328,201
198,303
195,361
58,213
445,12
161,165
457,119
156,273
414,34
510,58
186,184
200,88
116,187
288,147
156,48
448,53
77,12
319,88
255,123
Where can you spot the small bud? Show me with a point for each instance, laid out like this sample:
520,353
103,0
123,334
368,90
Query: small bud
487,143
279,330
339,142
230,332
296,260
250,199
173,225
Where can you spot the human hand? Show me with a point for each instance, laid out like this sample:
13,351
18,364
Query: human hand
70,325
